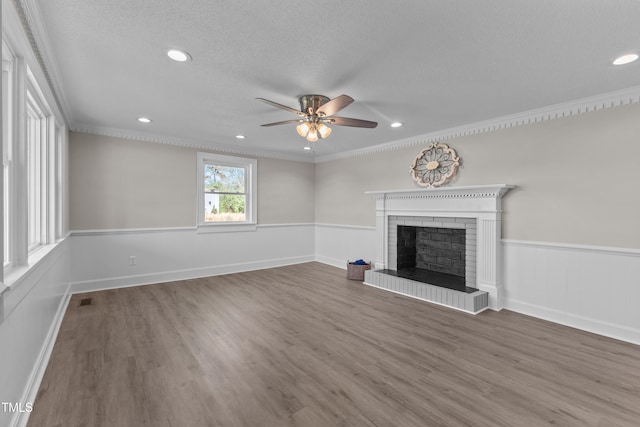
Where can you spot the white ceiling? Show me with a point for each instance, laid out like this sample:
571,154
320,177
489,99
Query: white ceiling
432,65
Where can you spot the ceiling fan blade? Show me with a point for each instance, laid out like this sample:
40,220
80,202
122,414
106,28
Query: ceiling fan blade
335,105
346,121
285,122
284,107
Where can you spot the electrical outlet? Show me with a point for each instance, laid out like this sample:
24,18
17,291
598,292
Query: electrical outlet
132,260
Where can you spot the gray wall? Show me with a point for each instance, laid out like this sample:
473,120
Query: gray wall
119,183
577,178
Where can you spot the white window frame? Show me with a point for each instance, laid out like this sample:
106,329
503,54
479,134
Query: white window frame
8,113
251,191
30,93
57,184
40,141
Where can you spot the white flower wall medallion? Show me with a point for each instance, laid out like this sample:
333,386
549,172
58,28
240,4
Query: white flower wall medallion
435,165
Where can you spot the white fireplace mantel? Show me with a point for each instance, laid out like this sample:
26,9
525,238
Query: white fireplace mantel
481,202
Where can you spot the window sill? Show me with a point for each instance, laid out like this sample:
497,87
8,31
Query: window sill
227,227
13,275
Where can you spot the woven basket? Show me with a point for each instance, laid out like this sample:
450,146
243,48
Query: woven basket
356,272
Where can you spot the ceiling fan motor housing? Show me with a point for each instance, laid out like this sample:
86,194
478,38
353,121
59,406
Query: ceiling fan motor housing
312,101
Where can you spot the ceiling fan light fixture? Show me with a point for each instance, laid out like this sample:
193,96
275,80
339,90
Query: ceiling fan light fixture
312,136
324,130
303,129
316,111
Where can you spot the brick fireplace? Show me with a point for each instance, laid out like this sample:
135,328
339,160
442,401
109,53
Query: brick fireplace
472,214
438,244
432,248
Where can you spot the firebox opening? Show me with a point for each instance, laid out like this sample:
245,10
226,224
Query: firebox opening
432,255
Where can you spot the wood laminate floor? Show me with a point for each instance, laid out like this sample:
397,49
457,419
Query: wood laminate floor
303,346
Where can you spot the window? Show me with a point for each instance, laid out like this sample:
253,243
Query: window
58,188
226,191
34,148
9,167
38,142
7,126
225,196
31,191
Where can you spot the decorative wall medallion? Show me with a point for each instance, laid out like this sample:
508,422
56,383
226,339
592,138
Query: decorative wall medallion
435,165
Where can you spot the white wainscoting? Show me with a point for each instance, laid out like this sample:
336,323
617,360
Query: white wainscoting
101,259
337,244
593,288
33,310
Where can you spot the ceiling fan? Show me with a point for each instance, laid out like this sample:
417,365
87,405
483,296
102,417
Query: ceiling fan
316,112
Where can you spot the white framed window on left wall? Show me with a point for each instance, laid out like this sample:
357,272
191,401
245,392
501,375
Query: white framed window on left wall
7,135
33,152
34,159
227,193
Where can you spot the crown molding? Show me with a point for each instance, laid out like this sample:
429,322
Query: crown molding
187,143
36,32
552,112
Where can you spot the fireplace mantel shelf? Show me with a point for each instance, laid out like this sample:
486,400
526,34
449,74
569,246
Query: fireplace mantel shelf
491,190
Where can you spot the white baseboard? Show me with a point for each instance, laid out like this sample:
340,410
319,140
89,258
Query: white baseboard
172,276
20,419
334,262
610,330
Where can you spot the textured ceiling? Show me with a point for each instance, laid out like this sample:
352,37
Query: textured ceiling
432,65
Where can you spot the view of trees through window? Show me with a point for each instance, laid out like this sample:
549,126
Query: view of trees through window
224,193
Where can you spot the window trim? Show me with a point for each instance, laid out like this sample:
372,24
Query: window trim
26,78
8,114
251,183
39,123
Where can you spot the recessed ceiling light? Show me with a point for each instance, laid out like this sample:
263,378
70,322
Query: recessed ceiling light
240,136
625,59
396,124
178,55
144,120
307,148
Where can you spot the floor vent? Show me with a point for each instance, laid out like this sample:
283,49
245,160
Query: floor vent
85,301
